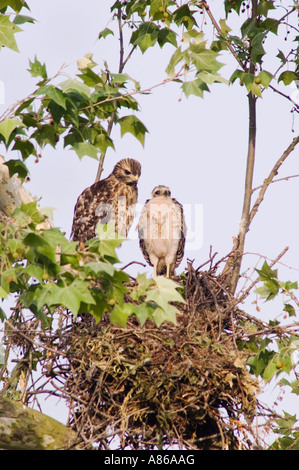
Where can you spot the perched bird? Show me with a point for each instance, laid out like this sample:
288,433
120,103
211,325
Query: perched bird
111,200
162,231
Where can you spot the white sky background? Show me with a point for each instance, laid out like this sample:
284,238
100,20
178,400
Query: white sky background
196,147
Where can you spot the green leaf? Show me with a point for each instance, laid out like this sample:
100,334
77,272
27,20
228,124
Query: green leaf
266,273
225,29
264,6
195,87
134,126
144,311
162,293
7,126
84,148
74,85
121,313
161,315
3,293
21,19
143,284
290,310
287,77
71,296
176,58
265,78
145,36
25,147
184,15
16,5
37,69
204,58
17,167
7,32
105,32
54,94
45,135
166,35
98,267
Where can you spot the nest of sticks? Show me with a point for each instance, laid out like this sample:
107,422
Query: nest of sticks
146,387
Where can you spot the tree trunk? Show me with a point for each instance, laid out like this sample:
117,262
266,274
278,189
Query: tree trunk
13,194
22,428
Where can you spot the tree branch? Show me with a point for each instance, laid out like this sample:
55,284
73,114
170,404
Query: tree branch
272,174
120,70
22,428
245,219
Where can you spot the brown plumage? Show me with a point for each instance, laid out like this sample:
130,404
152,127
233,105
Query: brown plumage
111,200
162,231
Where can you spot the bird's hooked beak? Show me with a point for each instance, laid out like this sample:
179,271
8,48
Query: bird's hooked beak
136,177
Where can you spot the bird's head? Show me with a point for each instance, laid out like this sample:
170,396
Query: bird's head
127,170
161,191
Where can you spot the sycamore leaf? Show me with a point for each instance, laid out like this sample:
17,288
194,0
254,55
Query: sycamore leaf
162,293
145,36
287,77
7,32
84,148
74,85
17,166
3,293
143,284
86,62
37,69
70,296
120,314
160,315
144,311
54,94
134,126
97,267
195,87
7,126
105,32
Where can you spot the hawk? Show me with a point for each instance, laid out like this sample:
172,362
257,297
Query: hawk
111,200
162,230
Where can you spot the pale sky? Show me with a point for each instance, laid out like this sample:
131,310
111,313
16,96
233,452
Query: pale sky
196,147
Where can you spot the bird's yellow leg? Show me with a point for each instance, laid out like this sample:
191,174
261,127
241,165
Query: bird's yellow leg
168,270
155,270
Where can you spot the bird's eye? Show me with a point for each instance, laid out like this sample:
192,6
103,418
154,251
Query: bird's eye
158,192
127,172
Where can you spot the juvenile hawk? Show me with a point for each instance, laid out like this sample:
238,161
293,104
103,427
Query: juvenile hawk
162,231
111,200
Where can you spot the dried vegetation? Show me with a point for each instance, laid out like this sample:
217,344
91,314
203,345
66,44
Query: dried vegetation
147,387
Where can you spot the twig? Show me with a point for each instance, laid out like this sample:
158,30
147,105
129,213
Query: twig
285,96
245,294
271,176
285,178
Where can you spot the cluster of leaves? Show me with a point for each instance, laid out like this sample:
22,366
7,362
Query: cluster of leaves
42,267
74,111
276,352
79,111
47,271
10,18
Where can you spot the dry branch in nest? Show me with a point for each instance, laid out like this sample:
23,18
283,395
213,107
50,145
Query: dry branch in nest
148,387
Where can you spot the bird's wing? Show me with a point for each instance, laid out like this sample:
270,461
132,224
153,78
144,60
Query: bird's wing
142,229
87,212
182,240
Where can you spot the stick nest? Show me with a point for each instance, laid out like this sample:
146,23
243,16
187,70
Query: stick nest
147,387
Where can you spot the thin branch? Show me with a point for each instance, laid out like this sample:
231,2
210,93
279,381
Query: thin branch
285,96
271,176
218,29
278,180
